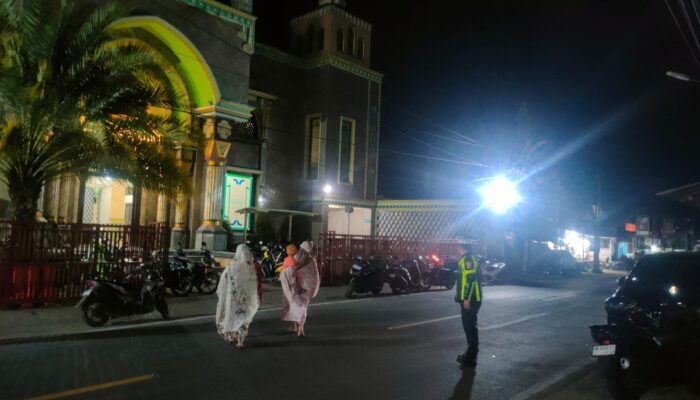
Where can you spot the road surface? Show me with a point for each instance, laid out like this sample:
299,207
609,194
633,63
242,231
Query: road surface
388,347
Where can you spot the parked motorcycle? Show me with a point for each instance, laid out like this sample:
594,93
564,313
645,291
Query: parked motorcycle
206,275
365,278
272,257
178,276
490,269
103,300
398,277
438,273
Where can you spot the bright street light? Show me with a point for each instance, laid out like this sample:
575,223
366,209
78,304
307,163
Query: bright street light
500,194
327,189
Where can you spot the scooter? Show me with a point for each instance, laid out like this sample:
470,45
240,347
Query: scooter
103,300
365,278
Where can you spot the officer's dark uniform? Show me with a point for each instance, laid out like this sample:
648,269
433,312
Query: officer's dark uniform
469,288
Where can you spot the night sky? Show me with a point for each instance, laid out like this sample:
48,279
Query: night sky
585,77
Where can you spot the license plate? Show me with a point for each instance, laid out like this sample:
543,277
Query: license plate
599,351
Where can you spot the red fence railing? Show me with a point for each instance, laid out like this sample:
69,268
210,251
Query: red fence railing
335,253
48,263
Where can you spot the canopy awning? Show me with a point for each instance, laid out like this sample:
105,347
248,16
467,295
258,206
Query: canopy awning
258,210
288,213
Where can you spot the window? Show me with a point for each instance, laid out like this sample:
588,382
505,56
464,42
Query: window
346,150
351,42
340,41
313,148
310,36
299,47
361,49
239,191
320,39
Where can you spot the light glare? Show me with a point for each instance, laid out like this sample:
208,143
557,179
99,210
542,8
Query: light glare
500,194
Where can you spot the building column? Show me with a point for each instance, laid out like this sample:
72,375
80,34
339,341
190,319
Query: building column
211,232
52,195
179,233
162,211
40,205
64,193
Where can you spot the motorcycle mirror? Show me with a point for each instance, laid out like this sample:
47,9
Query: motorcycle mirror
621,280
204,244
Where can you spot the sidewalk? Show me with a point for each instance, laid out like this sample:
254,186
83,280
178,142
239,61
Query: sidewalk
66,320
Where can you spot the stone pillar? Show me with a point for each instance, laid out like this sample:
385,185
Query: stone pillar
64,193
162,212
211,232
40,205
179,233
52,194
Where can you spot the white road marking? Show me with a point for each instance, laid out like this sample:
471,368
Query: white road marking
562,297
552,380
486,328
513,322
430,321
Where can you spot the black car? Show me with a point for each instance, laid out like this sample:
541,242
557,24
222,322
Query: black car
653,333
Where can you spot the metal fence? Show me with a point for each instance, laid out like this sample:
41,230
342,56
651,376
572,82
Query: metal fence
49,263
335,253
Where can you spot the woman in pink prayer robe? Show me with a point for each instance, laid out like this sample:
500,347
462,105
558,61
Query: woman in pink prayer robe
300,284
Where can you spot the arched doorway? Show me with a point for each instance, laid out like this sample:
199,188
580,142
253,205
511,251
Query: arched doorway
108,201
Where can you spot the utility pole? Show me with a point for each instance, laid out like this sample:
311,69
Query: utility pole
596,235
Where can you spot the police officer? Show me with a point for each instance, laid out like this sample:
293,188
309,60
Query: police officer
469,297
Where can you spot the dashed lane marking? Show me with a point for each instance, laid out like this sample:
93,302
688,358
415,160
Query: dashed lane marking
486,328
94,388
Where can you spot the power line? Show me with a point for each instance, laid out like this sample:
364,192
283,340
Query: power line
424,119
680,29
432,158
435,135
436,148
690,23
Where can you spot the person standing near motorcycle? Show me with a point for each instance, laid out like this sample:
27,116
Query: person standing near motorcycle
469,297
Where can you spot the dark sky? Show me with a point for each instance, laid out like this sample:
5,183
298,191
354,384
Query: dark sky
586,77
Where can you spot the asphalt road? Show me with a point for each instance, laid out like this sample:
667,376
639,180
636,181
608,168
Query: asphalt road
390,347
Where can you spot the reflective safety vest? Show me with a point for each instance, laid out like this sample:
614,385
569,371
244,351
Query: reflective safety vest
470,289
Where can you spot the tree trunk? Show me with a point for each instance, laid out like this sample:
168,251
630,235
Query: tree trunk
24,194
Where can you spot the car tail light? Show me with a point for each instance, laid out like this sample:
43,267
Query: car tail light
435,258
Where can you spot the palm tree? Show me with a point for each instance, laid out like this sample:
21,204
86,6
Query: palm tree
78,98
